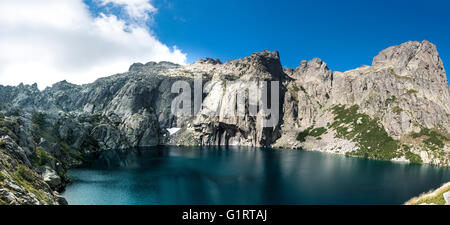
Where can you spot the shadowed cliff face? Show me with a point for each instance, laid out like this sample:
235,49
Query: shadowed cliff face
403,99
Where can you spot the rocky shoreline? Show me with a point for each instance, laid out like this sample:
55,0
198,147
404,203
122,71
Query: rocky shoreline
440,196
397,109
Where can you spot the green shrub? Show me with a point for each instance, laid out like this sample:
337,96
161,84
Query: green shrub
397,110
2,144
412,91
432,138
311,132
295,88
72,152
302,135
13,112
318,131
24,173
389,100
371,137
38,118
44,157
26,179
90,142
413,158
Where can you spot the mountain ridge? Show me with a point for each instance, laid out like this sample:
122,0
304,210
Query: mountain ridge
397,109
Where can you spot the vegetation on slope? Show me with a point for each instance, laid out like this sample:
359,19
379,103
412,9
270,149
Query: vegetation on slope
372,139
432,197
432,138
23,176
317,132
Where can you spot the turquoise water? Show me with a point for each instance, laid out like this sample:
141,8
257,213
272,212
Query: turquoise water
187,175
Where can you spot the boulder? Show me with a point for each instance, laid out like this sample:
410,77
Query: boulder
52,178
447,197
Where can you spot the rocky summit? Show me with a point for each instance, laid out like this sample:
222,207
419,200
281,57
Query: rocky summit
396,109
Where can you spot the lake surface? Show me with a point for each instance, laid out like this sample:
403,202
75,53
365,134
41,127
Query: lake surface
189,175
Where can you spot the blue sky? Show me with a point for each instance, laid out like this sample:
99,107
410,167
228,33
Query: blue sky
345,34
79,41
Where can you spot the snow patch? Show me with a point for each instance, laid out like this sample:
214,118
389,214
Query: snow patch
173,130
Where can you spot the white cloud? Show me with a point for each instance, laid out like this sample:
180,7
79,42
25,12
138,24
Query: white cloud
47,41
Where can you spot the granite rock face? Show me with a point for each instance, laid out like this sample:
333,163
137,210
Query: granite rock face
405,92
219,122
396,109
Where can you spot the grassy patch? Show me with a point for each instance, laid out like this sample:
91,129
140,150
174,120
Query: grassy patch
317,132
302,135
389,100
41,158
24,173
47,136
13,112
311,132
372,139
95,119
74,153
27,179
295,88
432,138
413,158
397,110
412,91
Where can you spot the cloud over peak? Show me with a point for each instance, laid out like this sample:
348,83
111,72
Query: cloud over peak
51,40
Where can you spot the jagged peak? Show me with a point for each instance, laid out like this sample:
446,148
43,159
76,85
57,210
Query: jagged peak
22,86
263,57
167,64
257,57
63,84
151,63
267,54
401,55
267,61
313,68
413,59
265,65
313,63
135,67
209,61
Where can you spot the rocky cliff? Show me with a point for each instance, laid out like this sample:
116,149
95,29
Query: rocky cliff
396,109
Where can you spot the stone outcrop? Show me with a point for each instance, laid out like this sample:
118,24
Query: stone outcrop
446,196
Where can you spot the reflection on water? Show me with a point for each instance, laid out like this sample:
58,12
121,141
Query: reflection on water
240,175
